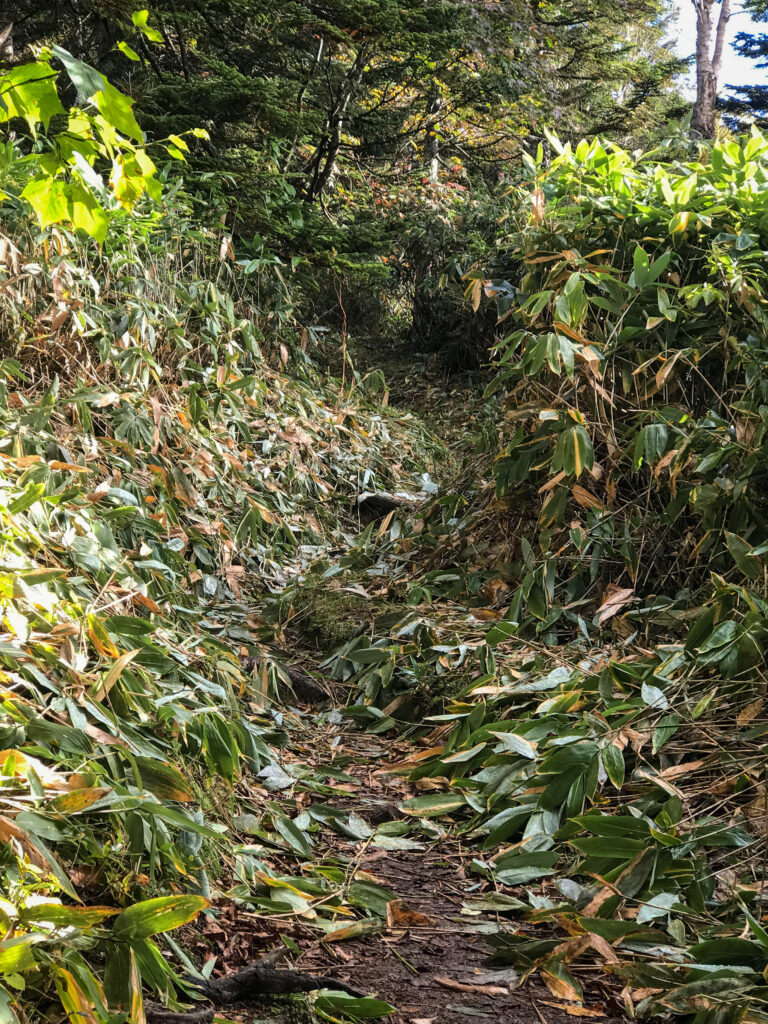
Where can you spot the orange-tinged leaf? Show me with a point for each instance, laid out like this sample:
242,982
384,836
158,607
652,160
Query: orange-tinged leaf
101,639
576,1011
570,332
78,800
400,915
76,1003
70,467
561,982
147,602
552,483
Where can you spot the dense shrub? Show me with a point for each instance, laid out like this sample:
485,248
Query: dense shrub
635,373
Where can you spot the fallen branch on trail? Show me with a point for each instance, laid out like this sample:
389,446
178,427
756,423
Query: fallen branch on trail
371,507
157,1014
251,983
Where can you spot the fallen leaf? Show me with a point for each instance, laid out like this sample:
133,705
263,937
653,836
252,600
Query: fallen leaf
750,712
614,599
70,467
400,915
585,498
575,1011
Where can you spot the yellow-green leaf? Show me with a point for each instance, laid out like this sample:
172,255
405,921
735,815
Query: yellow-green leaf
161,914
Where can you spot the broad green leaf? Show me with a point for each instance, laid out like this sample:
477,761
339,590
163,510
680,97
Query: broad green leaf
613,762
433,804
116,108
140,19
163,780
516,744
16,954
357,1008
87,80
295,838
162,914
61,916
29,91
128,51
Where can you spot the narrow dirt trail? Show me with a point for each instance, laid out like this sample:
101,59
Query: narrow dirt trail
431,959
429,955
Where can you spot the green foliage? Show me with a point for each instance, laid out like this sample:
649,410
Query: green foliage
635,363
324,116
64,174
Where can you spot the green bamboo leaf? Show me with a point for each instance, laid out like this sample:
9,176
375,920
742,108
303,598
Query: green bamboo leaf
433,804
161,914
613,762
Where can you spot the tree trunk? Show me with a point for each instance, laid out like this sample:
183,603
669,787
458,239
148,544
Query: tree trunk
431,143
708,63
323,162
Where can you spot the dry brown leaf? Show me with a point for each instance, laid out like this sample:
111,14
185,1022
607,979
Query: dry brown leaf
550,484
10,830
537,205
585,498
664,462
666,368
97,734
676,770
400,915
614,599
147,602
750,712
572,948
623,627
477,290
604,948
638,994
576,1011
